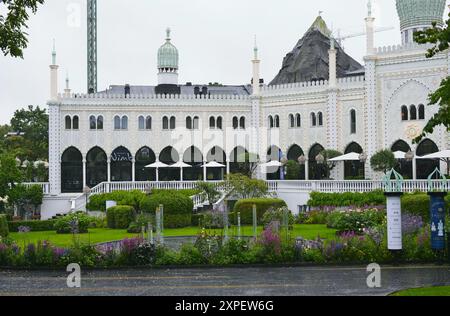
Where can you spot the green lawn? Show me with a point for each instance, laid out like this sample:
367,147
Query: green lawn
426,291
98,235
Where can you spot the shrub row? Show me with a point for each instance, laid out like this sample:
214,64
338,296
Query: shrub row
318,199
245,207
132,198
35,226
177,207
4,231
120,217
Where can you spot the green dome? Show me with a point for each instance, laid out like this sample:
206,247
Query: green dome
168,54
420,13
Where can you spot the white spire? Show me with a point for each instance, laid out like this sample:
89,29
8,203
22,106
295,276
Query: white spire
369,8
255,50
54,53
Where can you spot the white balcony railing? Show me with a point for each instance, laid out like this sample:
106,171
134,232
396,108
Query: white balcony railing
44,185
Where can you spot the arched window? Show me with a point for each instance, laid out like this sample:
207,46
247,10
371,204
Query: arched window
169,156
172,122
100,122
165,123
274,153
117,122
68,122
242,122
219,123
235,122
188,122
354,170
194,157
271,122
298,120
404,166
212,122
313,119
96,167
148,123
71,171
196,122
316,171
352,122
121,163
405,113
76,122
124,124
320,118
293,154
413,112
92,122
277,121
426,166
141,122
144,157
291,121
421,112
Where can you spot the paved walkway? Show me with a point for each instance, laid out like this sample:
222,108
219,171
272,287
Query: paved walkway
264,281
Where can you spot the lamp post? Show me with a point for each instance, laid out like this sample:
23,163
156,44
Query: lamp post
320,159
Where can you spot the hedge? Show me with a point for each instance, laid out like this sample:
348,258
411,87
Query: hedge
131,198
419,204
4,231
177,207
185,192
245,207
373,198
120,217
35,226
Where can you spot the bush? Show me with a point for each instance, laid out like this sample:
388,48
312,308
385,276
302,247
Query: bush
35,226
185,192
316,217
177,207
355,220
132,198
75,223
120,217
245,207
277,214
4,231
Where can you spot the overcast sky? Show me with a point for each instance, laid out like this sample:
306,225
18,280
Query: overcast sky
214,38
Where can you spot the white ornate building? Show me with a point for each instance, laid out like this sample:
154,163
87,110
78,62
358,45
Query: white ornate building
112,135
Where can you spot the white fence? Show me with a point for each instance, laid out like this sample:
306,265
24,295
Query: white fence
44,185
329,186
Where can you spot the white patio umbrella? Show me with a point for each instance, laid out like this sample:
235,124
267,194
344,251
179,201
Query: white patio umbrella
180,164
442,155
399,155
347,157
213,164
157,165
271,164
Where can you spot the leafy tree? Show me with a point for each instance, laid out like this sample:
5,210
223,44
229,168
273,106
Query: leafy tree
330,165
209,191
440,37
247,163
293,170
9,174
383,160
243,187
33,145
13,38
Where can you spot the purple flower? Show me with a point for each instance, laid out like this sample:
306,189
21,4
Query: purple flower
23,229
411,223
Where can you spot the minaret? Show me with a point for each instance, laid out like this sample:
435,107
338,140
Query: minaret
256,75
168,62
370,29
67,89
332,55
54,75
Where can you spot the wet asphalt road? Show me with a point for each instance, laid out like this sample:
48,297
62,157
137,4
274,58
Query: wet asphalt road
262,281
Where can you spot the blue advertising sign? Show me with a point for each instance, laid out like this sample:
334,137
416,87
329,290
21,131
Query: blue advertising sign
437,208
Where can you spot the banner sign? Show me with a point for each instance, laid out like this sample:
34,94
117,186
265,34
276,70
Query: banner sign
121,154
394,222
437,209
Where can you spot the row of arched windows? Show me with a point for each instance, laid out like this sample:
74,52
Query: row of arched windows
316,119
192,123
274,121
413,113
72,122
216,122
295,121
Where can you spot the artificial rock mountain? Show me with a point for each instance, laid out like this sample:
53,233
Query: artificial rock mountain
309,61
